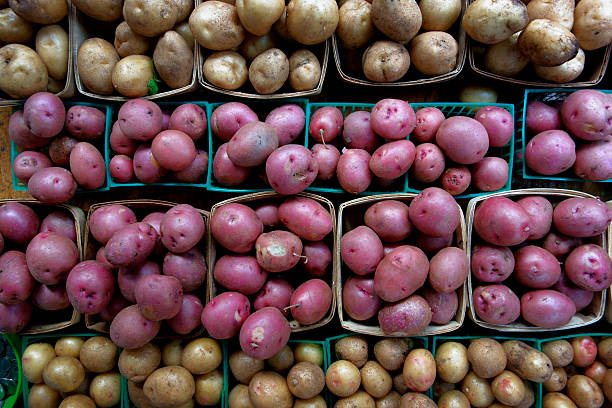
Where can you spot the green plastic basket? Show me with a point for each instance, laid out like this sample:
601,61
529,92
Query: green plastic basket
14,343
108,110
202,141
261,108
546,95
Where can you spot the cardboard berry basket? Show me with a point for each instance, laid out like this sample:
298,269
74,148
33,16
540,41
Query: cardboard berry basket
141,208
350,216
589,315
49,321
251,200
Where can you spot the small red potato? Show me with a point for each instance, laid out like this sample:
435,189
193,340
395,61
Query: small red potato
116,304
419,370
536,267
492,263
44,114
310,301
154,219
90,286
291,168
52,185
173,150
268,214
120,143
50,257
288,121
585,351
264,333
550,152
455,180
389,219
560,245
400,273
87,166
146,168
428,121
448,270
327,156
305,217
18,222
434,212
275,293
431,245
196,171
357,132
540,117
393,159
29,162
229,117
131,245
13,318
581,217
540,215
317,258
361,250
278,251
496,304
240,273
443,305
159,297
498,123
581,297
490,174
50,298
393,119
463,139
225,171
252,144
587,114
547,308
189,316
181,228
190,119
325,124
359,298
224,314
121,168
501,221
102,259
140,119
108,219
16,283
428,163
589,267
60,148
85,122
22,136
188,267
127,278
406,317
236,227
593,160
353,171
131,330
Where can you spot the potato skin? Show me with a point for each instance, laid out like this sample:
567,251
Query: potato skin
215,25
385,61
304,70
103,10
226,69
593,24
452,363
529,363
40,11
547,43
14,29
398,20
169,386
406,317
173,60
355,27
505,58
269,389
269,71
492,21
311,21
150,17
87,166
22,71
95,61
434,52
52,47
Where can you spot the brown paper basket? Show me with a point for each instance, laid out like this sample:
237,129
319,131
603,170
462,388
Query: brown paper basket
591,314
609,302
49,321
267,196
350,215
93,321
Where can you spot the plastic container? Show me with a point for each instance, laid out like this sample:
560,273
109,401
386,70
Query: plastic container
10,383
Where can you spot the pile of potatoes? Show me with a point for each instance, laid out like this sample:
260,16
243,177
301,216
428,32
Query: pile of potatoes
69,160
292,378
34,47
267,250
398,33
152,41
36,259
549,36
144,272
251,40
582,374
393,272
177,374
550,256
73,372
153,145
575,133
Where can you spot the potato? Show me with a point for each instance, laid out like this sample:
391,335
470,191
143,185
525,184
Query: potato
316,402
243,367
416,400
208,388
375,380
226,69
536,267
215,25
42,396
527,362
240,273
310,352
236,227
185,32
389,219
434,52
291,168
52,47
278,251
225,313
254,45
264,333
131,75
306,380
561,12
269,71
398,20
39,11
326,124
406,317
130,329
591,163
547,43
585,114
342,378
173,60
68,347
127,42
557,400
560,352
385,61
169,386
434,212
14,29
63,374
359,399
269,389
501,221
589,267
584,392
353,349
22,71
581,217
452,362
105,389
391,353
34,360
557,380
439,15
150,17
87,166
258,16
355,27
281,361
477,390
508,388
400,273
505,58
103,10
239,397
77,401
137,364
98,354
310,21
487,357
96,60
593,24
463,139
304,70
491,21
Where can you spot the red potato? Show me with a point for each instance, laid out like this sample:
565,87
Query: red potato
540,117
325,124
173,150
188,267
540,213
236,227
90,287
587,114
496,304
560,245
400,273
87,166
428,121
140,119
310,301
361,250
181,228
389,220
428,163
102,259
13,318
196,171
29,162
463,139
492,264
434,212
18,222
431,245
52,185
189,317
131,245
327,156
547,308
393,119
154,219
159,297
50,257
240,273
146,168
225,313
501,221
44,114
264,333
448,270
60,148
50,298
585,351
268,214
357,132
581,217
550,152
359,298
131,330
225,171
275,293
443,305
317,258
306,218
288,121
252,144
278,251
498,123
1,243
581,297
536,267
353,171
455,180
291,168
22,136
60,222
490,174
229,117
190,119
108,219
116,304
120,143
85,122
393,159
127,278
121,168
419,370
589,267
16,283
593,160
406,317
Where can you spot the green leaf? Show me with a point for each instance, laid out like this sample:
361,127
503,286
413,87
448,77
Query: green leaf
153,88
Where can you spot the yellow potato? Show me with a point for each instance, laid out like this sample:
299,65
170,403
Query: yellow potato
508,388
385,61
557,400
400,20
280,27
43,396
137,364
492,21
453,399
342,378
452,362
184,30
560,11
136,395
547,43
77,401
208,388
304,70
131,75
566,72
239,397
98,354
355,26
105,389
127,42
174,60
201,356
439,15
40,11
69,346
434,52
593,24
359,399
505,58
14,29
34,360
103,10
64,374
477,390
215,25
254,45
312,21
96,60
22,72
150,17
527,362
375,380
269,71
184,8
52,47
258,16
169,387
226,69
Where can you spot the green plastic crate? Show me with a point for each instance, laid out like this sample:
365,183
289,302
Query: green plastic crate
108,111
13,344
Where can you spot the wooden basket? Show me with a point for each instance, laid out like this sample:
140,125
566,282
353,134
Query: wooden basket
350,215
49,321
90,245
589,315
212,289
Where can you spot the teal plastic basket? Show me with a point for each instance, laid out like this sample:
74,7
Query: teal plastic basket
262,108
546,95
11,387
108,111
201,142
